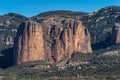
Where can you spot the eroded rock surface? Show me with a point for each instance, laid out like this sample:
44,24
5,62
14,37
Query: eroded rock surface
53,40
63,37
29,44
116,33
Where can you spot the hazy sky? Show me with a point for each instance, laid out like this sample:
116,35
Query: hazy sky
34,7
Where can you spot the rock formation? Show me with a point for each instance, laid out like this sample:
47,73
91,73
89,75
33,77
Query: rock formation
116,33
64,37
58,39
70,42
29,43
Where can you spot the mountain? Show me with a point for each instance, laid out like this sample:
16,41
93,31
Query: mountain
60,30
11,20
8,27
60,13
50,42
100,23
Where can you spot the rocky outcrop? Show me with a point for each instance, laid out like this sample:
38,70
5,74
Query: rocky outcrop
9,40
116,33
70,41
100,23
61,38
29,43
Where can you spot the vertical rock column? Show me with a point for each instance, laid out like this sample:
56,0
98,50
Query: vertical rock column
71,40
29,44
116,33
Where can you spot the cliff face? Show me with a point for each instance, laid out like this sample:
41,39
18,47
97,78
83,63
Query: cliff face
70,41
29,43
58,39
116,33
63,37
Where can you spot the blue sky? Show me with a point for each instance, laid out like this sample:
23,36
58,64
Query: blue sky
33,7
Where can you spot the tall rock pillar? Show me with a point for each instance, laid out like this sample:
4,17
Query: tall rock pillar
29,44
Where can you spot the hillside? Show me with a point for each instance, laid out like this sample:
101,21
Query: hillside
11,20
8,25
8,28
60,13
100,23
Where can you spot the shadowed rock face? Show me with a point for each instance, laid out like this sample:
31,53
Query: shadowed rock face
116,33
29,43
53,41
